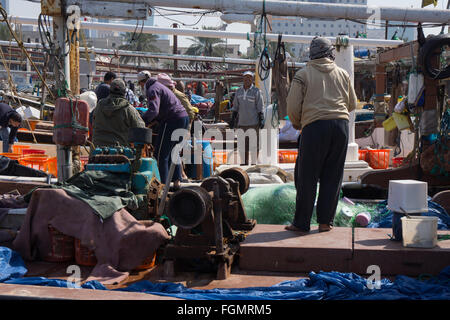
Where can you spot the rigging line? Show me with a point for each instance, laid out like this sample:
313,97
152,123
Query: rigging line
185,11
20,44
14,90
180,22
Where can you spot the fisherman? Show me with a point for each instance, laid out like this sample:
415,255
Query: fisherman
10,121
169,83
319,101
114,116
248,111
102,90
165,109
130,96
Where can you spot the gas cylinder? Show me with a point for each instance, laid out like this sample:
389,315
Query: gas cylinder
71,119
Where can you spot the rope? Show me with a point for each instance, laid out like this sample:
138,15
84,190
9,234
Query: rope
14,90
440,145
20,45
74,124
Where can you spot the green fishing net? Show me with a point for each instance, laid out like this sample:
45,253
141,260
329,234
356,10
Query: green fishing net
276,205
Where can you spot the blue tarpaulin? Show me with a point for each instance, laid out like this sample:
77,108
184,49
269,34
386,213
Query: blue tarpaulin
384,217
199,99
319,286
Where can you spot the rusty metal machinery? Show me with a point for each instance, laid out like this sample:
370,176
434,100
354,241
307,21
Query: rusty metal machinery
141,168
211,223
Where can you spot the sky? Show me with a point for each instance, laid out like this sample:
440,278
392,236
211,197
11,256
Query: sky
28,9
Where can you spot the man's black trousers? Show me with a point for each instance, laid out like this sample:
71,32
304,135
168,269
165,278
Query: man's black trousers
321,158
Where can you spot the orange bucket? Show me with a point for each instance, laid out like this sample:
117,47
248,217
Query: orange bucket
12,155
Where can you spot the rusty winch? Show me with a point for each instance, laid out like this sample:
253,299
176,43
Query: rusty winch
211,223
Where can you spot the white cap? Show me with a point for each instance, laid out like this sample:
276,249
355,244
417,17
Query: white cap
143,75
248,73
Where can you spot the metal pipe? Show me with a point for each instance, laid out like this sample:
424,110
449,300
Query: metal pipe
306,9
217,201
164,55
63,153
216,34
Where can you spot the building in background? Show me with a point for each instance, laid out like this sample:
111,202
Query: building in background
316,27
404,31
333,28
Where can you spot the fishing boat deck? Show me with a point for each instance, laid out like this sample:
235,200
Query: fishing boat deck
287,256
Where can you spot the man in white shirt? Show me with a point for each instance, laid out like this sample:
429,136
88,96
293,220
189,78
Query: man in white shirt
248,111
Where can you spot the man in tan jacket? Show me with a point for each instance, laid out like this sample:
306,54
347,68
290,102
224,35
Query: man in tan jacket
319,101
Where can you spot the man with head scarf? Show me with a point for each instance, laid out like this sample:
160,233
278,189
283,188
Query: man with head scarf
169,83
319,101
165,109
114,116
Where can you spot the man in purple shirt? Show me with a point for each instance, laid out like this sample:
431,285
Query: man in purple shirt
164,108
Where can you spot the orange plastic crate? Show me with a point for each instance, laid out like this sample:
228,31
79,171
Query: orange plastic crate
83,255
62,247
287,156
12,155
219,158
18,148
32,151
397,162
84,160
379,159
35,161
52,166
363,155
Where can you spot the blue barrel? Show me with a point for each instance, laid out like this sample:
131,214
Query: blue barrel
207,161
397,224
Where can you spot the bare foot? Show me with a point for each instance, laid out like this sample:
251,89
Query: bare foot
325,227
294,228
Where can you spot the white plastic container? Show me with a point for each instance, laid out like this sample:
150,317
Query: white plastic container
419,232
408,196
29,113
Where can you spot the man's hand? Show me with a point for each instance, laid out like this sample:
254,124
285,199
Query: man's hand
10,149
233,119
151,124
261,120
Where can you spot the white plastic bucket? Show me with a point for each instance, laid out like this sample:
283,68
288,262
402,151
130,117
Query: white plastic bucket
419,232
